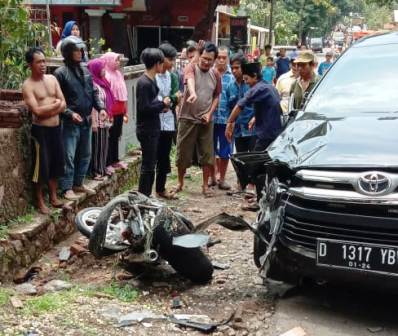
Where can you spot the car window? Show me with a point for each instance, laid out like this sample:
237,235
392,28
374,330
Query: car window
363,80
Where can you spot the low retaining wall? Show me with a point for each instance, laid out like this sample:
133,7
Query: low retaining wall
26,242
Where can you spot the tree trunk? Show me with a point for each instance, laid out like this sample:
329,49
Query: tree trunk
204,27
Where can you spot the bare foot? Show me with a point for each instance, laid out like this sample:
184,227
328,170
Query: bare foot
207,192
179,188
43,209
56,203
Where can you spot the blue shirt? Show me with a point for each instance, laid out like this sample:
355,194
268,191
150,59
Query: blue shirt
222,113
267,109
234,93
269,73
323,67
282,66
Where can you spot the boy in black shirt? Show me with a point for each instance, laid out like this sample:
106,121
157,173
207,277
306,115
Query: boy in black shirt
148,123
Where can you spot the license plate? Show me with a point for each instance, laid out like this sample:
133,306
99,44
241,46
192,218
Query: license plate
357,256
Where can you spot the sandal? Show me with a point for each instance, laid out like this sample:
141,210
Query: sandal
167,195
98,177
208,193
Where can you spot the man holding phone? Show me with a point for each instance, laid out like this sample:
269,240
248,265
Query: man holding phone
77,87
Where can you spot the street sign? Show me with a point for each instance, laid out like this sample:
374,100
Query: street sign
238,31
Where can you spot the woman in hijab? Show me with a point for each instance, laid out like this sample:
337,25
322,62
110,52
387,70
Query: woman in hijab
100,122
119,109
71,28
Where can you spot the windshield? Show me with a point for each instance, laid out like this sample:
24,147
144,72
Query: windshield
364,80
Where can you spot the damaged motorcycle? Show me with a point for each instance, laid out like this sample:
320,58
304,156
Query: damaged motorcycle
146,230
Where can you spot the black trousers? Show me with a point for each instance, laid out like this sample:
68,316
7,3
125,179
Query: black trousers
115,132
245,144
163,166
149,146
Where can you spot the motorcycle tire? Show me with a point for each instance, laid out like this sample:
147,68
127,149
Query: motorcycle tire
191,263
97,243
81,220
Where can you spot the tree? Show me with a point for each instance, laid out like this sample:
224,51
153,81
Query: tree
17,33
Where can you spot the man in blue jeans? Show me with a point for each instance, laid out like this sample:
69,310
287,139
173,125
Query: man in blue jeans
77,86
222,148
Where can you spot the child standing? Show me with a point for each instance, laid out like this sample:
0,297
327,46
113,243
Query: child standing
269,72
119,109
100,122
148,122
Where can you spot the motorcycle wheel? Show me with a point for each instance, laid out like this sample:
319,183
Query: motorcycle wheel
191,263
86,219
105,236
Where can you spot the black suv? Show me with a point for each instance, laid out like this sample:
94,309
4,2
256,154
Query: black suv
330,203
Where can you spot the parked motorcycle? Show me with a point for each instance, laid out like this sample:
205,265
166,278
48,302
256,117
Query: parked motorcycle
147,230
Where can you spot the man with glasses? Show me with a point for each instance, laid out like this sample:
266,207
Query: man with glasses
195,126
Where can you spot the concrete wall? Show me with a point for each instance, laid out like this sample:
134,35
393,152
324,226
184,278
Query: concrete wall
131,75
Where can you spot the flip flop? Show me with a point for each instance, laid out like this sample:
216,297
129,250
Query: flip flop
208,193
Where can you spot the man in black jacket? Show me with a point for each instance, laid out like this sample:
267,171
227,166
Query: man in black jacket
77,86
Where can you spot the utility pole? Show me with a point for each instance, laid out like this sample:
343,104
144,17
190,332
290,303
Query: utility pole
271,22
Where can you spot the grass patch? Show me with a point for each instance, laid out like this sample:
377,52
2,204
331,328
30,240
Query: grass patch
53,301
4,296
125,293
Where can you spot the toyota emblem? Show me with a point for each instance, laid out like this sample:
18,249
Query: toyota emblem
374,183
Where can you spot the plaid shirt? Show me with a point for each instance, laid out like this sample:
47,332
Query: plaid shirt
222,113
234,93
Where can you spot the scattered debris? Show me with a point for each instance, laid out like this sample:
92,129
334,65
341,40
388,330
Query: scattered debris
375,329
195,210
26,275
238,314
158,284
64,254
16,302
124,276
78,249
147,325
26,289
204,327
234,223
297,331
191,240
199,322
213,242
192,317
110,312
176,302
219,265
56,285
138,317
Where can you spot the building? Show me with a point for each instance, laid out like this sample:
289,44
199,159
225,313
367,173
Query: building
128,26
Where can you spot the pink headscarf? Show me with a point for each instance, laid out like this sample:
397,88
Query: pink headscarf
95,66
114,76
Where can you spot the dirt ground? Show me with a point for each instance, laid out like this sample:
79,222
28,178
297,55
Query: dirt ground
103,291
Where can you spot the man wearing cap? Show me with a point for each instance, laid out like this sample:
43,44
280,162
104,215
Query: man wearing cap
306,80
267,110
284,84
324,66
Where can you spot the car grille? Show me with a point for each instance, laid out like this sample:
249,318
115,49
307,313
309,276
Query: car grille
305,220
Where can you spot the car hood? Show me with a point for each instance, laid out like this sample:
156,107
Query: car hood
358,141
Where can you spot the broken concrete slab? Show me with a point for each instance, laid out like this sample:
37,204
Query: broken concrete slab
138,317
56,285
297,331
26,289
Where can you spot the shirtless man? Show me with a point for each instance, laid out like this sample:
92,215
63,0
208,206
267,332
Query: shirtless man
43,96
